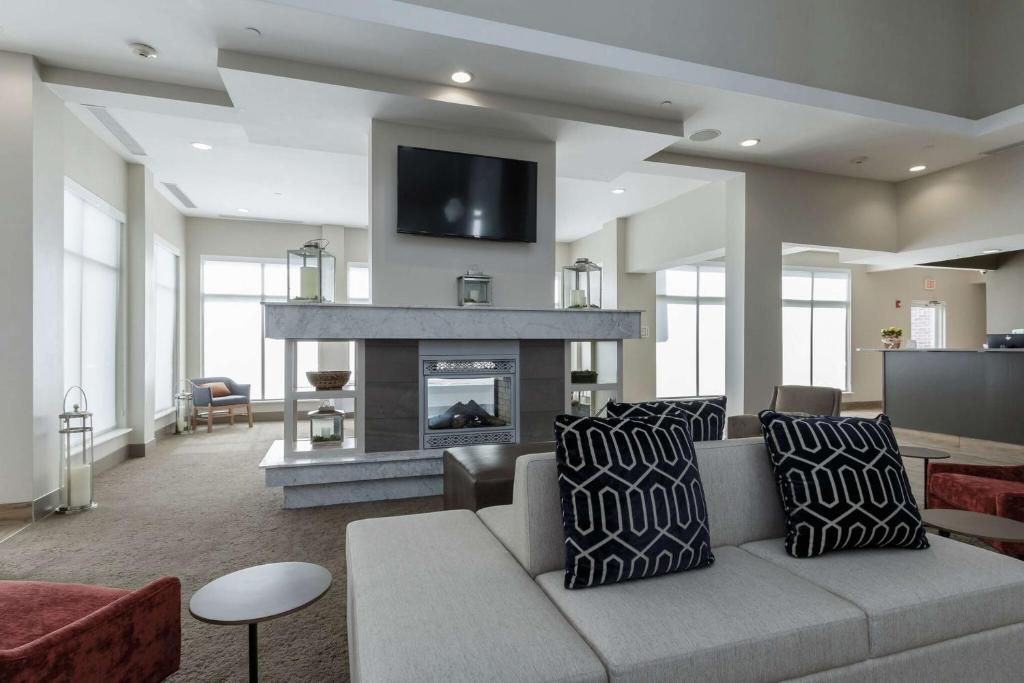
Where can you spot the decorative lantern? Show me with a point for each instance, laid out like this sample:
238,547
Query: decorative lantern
475,289
581,284
76,468
326,425
311,273
183,408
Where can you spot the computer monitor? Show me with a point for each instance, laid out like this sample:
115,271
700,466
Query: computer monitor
1006,341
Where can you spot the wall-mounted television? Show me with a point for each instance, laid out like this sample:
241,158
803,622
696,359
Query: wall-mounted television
450,194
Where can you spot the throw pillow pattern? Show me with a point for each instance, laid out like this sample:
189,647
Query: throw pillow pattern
632,501
842,484
706,415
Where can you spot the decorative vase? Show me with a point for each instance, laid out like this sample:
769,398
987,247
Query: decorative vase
892,342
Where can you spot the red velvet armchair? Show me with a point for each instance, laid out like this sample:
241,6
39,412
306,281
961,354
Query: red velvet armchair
67,632
993,489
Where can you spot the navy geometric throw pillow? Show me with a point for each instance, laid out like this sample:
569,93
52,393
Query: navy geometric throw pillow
842,483
632,501
707,415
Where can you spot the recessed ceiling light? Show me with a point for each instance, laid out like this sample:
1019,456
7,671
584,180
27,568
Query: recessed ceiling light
202,145
243,210
991,251
918,168
750,142
462,77
619,190
143,50
705,135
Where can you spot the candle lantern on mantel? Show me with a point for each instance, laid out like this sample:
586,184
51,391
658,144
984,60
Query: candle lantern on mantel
326,425
474,288
76,455
183,408
581,284
311,273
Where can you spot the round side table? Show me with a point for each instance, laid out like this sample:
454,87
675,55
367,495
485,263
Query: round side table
260,593
976,524
926,454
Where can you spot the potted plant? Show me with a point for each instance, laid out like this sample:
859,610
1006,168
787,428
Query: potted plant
892,337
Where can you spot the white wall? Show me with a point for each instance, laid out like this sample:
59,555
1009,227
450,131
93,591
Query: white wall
1004,293
93,165
414,269
689,227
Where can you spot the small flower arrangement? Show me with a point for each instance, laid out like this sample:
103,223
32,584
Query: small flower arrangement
892,337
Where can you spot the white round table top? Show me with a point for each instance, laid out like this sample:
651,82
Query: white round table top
260,593
922,452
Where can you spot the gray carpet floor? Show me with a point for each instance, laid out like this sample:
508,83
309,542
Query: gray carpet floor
196,508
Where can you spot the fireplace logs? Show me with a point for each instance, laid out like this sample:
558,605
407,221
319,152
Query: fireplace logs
467,415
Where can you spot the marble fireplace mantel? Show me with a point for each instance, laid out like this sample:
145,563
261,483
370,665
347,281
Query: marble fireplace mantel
304,321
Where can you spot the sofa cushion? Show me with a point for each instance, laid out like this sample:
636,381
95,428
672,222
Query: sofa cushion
632,502
912,599
230,400
43,608
436,597
742,619
706,415
965,492
842,484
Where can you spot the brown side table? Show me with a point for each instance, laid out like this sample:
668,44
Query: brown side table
926,454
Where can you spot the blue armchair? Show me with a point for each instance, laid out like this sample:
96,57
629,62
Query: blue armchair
205,404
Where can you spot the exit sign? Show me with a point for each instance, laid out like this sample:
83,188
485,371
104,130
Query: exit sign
929,283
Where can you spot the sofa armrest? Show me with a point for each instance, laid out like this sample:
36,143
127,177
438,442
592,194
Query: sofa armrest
539,542
137,637
742,426
201,396
1002,472
241,389
1010,505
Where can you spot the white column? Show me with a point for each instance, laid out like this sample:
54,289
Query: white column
140,303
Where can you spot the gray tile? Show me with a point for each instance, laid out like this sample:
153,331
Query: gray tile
392,400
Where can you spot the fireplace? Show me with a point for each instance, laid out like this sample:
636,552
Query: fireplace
469,396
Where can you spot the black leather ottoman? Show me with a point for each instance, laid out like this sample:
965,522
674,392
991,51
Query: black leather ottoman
481,476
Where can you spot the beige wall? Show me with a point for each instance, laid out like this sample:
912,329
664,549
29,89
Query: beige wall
687,228
414,269
1004,293
92,164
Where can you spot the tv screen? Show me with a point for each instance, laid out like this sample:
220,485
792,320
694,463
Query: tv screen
450,194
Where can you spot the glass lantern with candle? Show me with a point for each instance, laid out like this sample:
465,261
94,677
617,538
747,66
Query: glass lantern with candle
326,425
581,284
311,273
474,288
183,408
76,455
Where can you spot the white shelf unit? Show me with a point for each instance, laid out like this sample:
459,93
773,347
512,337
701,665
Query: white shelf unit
605,357
352,444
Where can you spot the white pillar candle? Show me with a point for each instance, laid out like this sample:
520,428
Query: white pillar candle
309,282
578,298
80,485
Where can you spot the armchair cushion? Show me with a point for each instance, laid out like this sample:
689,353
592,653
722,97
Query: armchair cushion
742,426
794,398
1002,472
230,400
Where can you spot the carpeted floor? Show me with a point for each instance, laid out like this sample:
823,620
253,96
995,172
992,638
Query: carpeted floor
197,509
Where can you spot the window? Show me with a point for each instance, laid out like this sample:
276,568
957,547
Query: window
165,273
928,324
815,327
92,304
690,348
558,290
358,283
234,344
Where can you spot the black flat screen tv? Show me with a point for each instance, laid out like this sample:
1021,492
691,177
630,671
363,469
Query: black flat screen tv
450,194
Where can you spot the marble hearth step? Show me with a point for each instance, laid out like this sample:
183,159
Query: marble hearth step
310,479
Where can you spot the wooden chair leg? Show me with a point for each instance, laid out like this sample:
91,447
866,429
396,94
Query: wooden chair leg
231,415
248,412
209,419
192,418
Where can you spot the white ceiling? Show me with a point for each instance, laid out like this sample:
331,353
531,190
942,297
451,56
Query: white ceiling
306,137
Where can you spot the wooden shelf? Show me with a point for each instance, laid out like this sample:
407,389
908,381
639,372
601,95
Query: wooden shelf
349,445
599,386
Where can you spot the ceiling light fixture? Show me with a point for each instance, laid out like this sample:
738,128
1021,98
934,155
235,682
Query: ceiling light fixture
143,50
243,210
991,251
462,77
750,142
202,145
918,168
705,135
619,190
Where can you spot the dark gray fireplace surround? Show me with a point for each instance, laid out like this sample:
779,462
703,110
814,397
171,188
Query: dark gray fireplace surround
392,386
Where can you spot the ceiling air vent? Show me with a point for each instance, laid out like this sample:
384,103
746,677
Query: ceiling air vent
180,195
116,129
254,219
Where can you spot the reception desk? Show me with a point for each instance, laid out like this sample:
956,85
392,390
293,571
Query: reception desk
975,393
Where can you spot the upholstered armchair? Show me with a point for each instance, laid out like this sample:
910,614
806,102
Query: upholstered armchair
209,398
76,632
788,398
992,489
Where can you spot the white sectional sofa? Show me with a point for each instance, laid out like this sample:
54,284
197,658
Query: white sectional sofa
453,596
